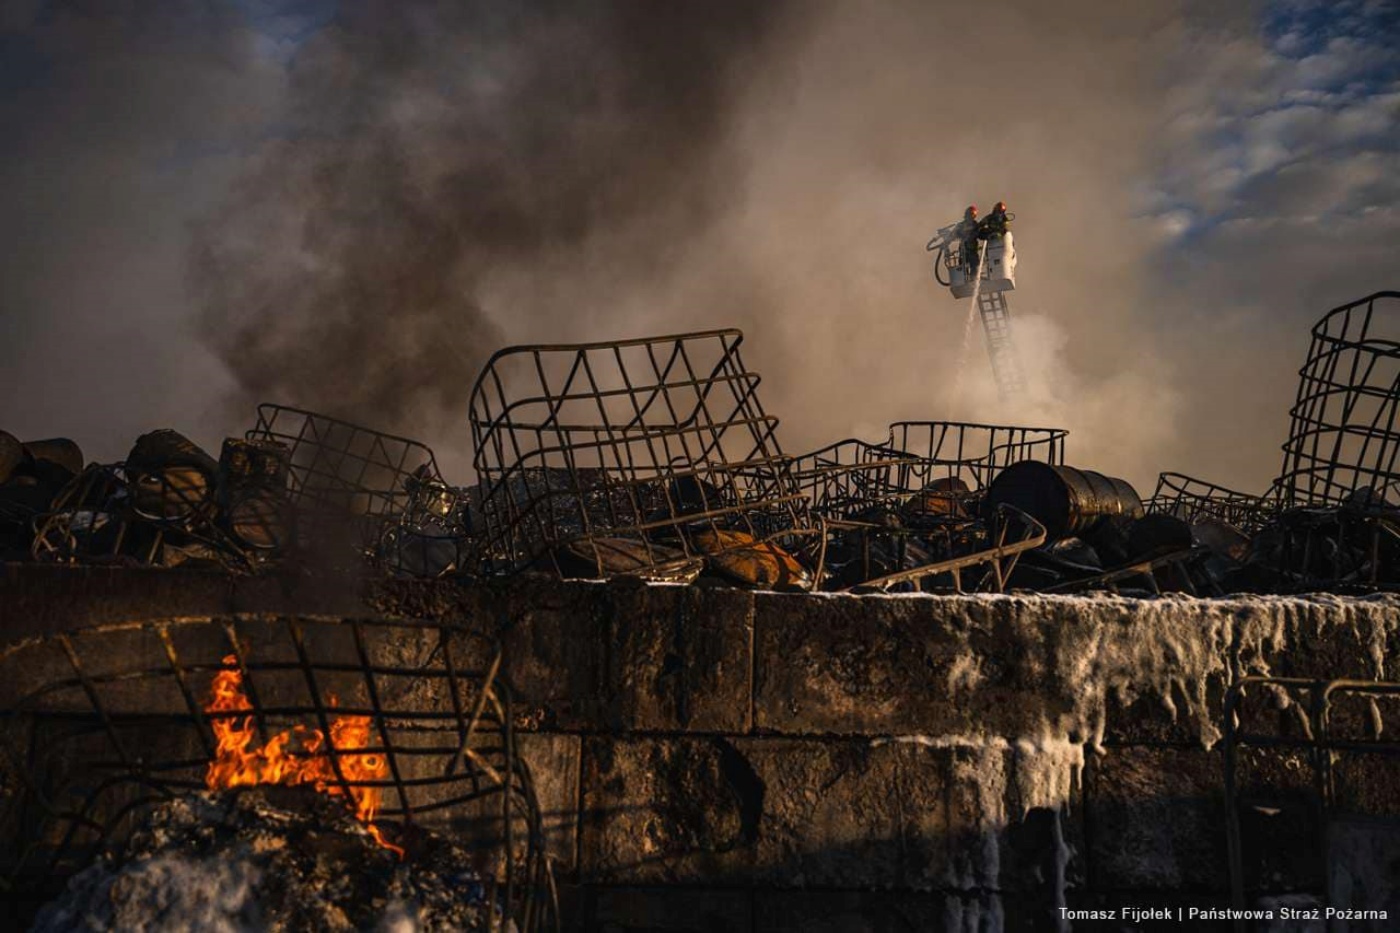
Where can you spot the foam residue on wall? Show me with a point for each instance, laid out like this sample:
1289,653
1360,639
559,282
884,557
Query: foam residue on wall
1106,650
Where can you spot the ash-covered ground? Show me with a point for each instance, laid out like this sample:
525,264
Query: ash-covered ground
270,858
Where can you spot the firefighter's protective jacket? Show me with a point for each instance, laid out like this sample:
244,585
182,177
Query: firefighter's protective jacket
994,224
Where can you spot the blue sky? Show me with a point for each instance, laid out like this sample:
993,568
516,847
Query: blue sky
1294,127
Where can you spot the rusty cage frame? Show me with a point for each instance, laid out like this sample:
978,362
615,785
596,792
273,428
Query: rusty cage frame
844,479
343,474
848,479
1191,500
94,518
99,724
969,451
1343,437
1313,702
657,446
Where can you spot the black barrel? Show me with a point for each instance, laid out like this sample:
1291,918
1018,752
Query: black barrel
60,450
1065,500
253,483
1153,535
170,476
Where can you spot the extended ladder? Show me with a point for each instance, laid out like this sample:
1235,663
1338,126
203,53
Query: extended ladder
996,323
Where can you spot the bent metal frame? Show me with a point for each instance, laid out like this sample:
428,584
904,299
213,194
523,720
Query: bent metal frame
660,442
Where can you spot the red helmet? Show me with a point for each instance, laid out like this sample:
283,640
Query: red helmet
971,209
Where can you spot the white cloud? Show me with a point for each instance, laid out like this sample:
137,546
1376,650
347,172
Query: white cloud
1285,155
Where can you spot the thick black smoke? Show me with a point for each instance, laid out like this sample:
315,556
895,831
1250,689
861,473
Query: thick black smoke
426,145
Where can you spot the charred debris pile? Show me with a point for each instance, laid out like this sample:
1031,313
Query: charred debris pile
654,458
268,772
271,858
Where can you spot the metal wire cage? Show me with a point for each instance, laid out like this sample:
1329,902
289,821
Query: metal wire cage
968,452
101,724
847,479
1343,442
1193,500
1340,731
629,456
351,484
851,476
901,519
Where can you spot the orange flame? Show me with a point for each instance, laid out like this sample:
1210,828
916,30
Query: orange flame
295,756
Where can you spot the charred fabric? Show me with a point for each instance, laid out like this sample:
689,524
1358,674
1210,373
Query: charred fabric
654,458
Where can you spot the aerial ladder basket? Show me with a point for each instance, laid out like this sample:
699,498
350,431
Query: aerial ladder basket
958,273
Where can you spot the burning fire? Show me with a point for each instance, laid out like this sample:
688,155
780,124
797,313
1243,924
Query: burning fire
295,756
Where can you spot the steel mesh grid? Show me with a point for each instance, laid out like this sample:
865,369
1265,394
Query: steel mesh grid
1343,436
1192,500
1303,716
970,452
932,473
849,477
344,473
659,441
101,723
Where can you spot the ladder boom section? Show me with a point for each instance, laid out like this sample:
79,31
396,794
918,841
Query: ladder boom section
996,324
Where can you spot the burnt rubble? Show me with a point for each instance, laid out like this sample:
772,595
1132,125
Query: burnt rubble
272,858
298,486
371,741
683,737
909,513
655,459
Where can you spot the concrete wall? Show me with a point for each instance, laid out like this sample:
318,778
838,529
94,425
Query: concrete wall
712,759
754,761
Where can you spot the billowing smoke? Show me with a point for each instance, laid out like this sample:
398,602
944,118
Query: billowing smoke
428,147
886,120
351,212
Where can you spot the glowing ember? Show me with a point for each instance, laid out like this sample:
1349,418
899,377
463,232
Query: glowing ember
295,756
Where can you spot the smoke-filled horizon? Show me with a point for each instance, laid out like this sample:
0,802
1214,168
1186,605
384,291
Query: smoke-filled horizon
349,207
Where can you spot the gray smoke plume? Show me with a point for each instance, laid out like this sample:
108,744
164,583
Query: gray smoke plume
206,207
430,145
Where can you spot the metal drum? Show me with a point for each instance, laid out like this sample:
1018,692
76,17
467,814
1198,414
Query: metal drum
259,519
1067,501
253,479
59,450
169,476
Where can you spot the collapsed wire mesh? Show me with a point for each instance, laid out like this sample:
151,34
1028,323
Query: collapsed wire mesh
1193,500
969,559
1343,442
971,453
1329,548
947,458
907,512
1302,715
107,513
384,492
101,724
845,480
631,455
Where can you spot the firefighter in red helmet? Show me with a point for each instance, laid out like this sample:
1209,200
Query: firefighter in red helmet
968,232
995,224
